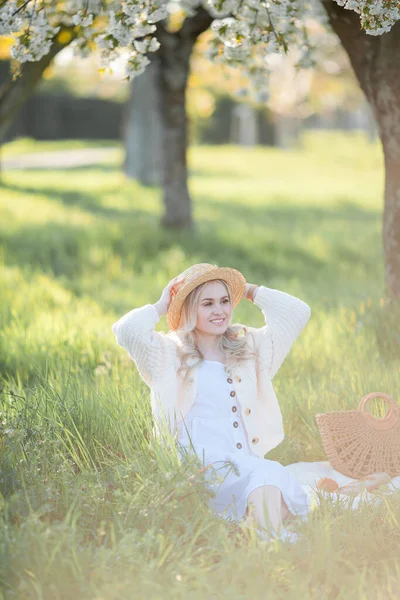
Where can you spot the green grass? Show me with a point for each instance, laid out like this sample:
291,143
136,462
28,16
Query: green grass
92,507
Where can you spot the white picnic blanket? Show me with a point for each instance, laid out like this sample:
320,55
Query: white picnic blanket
309,473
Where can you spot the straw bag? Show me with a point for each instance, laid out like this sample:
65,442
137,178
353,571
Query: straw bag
358,444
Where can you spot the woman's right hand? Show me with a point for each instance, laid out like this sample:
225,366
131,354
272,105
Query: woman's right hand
163,303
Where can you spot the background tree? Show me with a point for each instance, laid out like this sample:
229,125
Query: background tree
156,134
376,63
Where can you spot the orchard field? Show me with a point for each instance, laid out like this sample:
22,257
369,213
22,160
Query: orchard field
91,507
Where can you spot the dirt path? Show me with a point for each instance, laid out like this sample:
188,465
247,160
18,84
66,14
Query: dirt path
62,159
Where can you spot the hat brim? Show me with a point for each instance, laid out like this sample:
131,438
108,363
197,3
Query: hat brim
232,277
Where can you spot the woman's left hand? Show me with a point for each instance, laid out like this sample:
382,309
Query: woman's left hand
246,290
250,291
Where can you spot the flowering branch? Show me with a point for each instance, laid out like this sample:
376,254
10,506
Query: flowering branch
245,31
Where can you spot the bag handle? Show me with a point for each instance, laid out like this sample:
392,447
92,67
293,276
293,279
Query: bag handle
391,417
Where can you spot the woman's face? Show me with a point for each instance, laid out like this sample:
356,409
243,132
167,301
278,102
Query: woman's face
214,305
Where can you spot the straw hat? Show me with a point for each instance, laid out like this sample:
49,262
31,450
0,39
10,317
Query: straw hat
196,275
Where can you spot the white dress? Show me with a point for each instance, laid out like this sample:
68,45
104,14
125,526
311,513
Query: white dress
213,428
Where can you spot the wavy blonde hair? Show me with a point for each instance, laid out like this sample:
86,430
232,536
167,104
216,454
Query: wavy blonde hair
233,342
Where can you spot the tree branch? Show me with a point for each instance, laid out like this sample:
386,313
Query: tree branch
196,25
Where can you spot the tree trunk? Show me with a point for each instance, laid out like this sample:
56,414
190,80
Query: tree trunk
143,130
175,52
14,93
376,63
244,128
287,129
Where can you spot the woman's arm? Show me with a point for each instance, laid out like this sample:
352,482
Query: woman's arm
285,317
151,350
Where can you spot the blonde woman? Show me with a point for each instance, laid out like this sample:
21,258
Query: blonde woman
211,386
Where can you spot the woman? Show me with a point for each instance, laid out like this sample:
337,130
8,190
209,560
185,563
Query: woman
210,383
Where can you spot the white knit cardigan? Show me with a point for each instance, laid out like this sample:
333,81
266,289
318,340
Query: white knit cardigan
155,355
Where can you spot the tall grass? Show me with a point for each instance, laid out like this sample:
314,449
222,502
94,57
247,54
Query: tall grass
92,506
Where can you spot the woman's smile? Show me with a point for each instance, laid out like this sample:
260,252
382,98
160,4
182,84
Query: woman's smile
218,321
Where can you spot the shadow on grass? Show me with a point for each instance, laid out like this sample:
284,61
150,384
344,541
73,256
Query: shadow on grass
279,210
84,200
139,241
249,238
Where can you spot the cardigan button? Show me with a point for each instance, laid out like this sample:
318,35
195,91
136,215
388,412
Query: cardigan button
233,394
247,411
235,424
234,409
255,440
238,445
229,380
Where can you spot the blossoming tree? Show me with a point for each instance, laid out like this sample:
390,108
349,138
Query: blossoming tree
156,126
245,32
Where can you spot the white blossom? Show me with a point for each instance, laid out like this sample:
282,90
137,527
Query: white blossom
36,42
147,45
9,20
221,8
83,19
377,16
158,14
137,64
231,31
